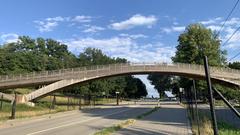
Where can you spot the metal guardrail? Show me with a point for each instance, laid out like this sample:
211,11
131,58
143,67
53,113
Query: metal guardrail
62,72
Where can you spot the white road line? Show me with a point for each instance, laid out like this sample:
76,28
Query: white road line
78,122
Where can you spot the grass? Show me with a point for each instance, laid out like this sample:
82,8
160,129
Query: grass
41,107
75,100
205,126
114,128
219,103
226,129
25,111
147,113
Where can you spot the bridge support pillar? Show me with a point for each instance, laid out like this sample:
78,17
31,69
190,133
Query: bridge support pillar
21,99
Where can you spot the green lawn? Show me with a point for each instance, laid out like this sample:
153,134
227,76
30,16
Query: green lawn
23,110
226,129
43,107
206,126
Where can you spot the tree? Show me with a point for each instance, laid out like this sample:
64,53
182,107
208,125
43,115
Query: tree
141,88
194,43
234,65
161,82
197,41
135,88
33,55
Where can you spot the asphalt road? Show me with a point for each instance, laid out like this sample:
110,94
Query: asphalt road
170,119
82,122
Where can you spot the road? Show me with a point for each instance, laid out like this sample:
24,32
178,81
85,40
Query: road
170,119
82,122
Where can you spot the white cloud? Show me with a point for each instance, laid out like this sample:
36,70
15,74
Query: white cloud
166,30
178,28
214,27
173,29
55,19
175,23
93,29
48,24
211,21
233,21
9,38
226,32
136,20
124,47
82,19
135,36
234,42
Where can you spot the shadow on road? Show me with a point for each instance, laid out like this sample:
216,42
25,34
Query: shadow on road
167,116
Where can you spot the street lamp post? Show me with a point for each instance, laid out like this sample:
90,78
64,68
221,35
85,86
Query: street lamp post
180,94
117,96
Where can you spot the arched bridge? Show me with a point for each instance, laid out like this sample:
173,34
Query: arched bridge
59,79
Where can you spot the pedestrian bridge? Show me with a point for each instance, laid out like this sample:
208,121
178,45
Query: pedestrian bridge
59,79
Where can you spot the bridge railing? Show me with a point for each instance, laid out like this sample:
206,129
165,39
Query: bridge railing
123,67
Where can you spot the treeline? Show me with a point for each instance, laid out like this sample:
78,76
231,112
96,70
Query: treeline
194,43
28,55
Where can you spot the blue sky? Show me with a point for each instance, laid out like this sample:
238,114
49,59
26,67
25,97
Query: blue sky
139,30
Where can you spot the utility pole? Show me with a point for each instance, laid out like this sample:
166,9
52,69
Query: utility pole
210,98
53,101
14,106
1,107
68,102
80,102
180,94
117,96
195,98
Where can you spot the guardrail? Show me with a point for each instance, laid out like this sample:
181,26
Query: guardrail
134,66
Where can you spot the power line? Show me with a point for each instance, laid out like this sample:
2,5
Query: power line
235,5
233,57
231,36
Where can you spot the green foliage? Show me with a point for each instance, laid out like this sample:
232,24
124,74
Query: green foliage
33,55
234,65
194,43
92,56
161,82
226,129
126,85
28,55
135,88
197,41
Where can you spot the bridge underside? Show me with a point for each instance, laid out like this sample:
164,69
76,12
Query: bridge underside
62,84
57,80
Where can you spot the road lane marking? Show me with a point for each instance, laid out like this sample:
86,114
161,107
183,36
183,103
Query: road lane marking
74,123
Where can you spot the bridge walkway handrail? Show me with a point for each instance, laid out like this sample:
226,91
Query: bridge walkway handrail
61,72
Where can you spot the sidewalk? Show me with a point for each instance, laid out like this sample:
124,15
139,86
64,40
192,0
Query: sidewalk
168,120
